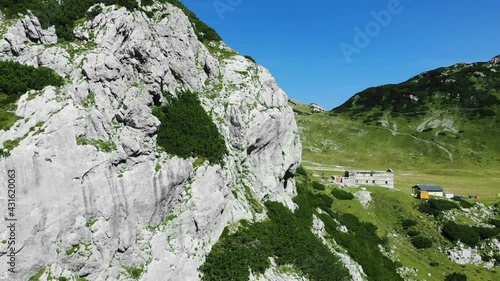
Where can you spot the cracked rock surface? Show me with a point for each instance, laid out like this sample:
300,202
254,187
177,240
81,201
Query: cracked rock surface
86,211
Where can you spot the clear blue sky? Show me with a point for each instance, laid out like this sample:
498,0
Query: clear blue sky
300,41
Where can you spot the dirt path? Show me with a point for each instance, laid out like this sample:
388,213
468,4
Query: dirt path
395,133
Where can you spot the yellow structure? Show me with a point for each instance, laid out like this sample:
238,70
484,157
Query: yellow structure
430,190
423,195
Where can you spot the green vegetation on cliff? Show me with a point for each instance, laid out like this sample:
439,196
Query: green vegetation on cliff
186,130
15,80
287,237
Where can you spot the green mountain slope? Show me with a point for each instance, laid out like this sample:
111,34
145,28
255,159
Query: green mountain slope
441,126
470,90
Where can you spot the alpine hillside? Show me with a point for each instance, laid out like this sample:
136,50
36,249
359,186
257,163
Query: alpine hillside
440,127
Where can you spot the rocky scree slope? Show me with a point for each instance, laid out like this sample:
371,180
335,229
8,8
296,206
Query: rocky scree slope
96,197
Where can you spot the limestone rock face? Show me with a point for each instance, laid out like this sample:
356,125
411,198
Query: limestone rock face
495,60
95,198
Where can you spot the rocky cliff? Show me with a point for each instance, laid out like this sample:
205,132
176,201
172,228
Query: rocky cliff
95,197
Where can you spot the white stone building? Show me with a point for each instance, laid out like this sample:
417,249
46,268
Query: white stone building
357,178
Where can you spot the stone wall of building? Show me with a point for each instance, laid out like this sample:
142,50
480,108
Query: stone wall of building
357,178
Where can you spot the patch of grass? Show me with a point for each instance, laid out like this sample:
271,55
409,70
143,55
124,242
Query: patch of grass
89,101
11,144
72,250
199,161
157,167
101,145
256,205
7,119
134,272
37,275
90,222
221,51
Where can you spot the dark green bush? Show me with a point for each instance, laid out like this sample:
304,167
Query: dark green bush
421,242
407,223
466,234
326,199
486,232
15,80
456,277
250,59
186,130
463,203
342,195
495,222
436,206
434,264
497,259
318,186
469,235
301,171
413,232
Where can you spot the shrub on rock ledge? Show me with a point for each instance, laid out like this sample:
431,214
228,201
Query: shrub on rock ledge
186,130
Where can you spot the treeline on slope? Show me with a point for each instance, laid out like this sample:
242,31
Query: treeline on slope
287,237
15,80
186,130
63,14
460,87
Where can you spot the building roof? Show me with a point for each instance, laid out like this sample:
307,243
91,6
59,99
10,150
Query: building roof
428,187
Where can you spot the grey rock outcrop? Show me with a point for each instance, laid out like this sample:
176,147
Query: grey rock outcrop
95,197
495,60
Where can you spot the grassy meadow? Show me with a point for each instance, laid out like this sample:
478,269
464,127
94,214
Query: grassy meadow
466,162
